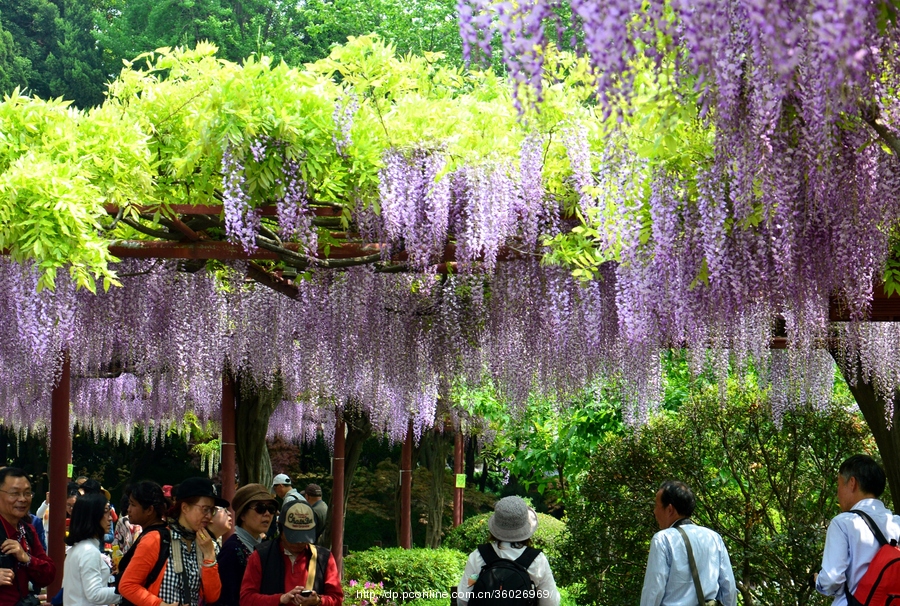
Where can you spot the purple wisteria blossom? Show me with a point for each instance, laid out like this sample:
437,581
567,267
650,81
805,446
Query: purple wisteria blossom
241,221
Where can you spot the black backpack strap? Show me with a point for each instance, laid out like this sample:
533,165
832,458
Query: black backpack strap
528,556
488,554
165,545
879,536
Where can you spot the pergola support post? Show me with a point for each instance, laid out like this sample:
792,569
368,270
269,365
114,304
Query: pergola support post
337,496
229,438
457,472
60,457
406,490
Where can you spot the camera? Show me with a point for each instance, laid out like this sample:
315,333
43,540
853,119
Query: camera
305,593
8,561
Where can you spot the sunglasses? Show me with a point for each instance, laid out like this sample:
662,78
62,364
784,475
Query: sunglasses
262,508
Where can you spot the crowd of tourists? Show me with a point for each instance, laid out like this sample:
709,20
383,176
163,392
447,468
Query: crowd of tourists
168,546
187,546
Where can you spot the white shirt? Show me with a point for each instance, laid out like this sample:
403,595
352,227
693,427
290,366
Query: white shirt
539,571
668,581
850,546
86,576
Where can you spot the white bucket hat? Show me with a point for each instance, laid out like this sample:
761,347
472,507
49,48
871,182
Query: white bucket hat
513,520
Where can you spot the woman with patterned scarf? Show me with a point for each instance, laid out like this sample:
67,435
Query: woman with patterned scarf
254,509
190,571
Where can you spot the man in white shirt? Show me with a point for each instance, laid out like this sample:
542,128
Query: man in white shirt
668,580
849,542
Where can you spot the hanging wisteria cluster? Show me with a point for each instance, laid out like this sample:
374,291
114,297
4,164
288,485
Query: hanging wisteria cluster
155,349
481,209
797,178
796,202
151,351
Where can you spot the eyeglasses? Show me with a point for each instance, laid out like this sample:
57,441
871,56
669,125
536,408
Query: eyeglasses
262,508
208,510
15,496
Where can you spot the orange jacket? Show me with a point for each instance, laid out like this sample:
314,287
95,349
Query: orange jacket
132,585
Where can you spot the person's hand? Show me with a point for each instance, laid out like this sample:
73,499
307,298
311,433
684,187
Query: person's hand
291,596
310,600
13,548
7,576
205,544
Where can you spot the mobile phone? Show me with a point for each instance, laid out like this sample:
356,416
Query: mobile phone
305,593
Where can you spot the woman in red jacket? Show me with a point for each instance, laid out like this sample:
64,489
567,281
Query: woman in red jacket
190,570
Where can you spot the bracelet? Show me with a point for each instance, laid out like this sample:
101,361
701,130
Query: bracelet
209,563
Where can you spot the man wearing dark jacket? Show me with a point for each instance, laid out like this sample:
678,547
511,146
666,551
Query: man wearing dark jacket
23,559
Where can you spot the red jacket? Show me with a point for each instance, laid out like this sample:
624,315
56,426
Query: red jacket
294,575
40,570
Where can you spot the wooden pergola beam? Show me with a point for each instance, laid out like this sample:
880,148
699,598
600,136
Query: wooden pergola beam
168,210
884,308
227,251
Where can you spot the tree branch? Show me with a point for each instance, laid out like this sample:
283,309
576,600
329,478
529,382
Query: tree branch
155,233
870,116
350,262
290,257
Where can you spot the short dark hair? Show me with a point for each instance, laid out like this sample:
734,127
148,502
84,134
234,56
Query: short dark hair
148,494
13,472
87,512
91,487
867,472
679,495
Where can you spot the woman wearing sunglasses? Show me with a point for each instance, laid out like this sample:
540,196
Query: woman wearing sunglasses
189,571
254,508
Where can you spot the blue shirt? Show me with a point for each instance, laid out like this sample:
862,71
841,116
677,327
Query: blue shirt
850,546
668,580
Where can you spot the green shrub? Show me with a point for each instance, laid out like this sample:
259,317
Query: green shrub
363,593
407,570
568,596
767,488
474,531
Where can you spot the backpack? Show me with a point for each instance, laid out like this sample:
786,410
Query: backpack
880,584
504,582
165,546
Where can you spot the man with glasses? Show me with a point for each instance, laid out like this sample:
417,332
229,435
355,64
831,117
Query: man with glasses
22,558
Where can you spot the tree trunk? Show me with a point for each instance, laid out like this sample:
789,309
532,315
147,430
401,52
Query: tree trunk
359,429
873,408
482,482
402,503
434,450
254,406
471,448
